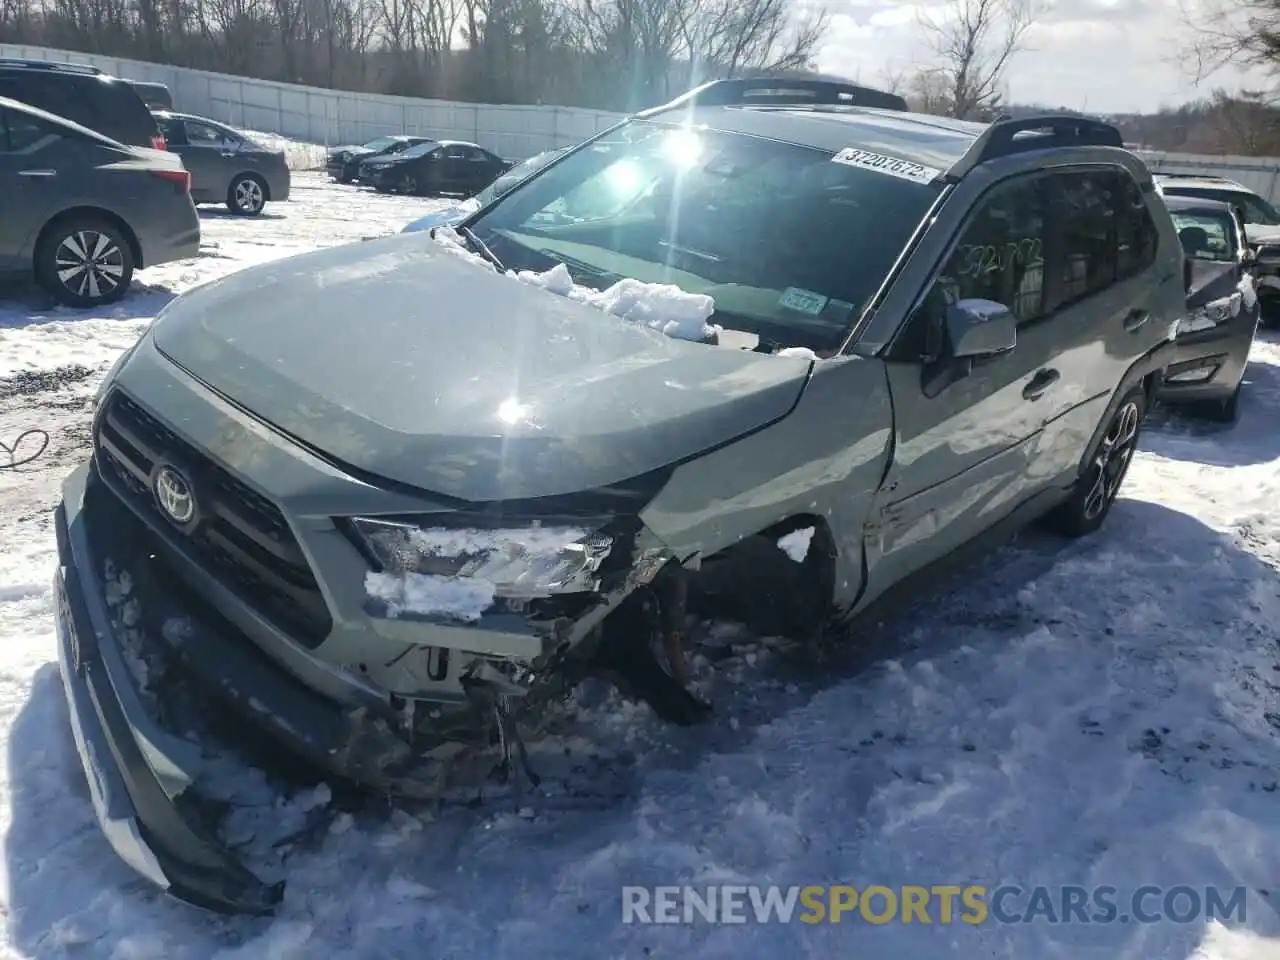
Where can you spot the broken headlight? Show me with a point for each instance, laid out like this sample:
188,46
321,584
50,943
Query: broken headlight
1211,314
520,562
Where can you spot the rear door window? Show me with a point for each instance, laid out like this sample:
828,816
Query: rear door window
1086,207
201,134
22,133
1104,233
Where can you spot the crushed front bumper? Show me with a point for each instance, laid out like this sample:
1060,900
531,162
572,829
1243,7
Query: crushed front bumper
137,773
1208,364
145,780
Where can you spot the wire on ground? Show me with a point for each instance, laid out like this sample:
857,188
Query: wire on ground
14,453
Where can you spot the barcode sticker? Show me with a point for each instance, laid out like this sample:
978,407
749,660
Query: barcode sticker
893,166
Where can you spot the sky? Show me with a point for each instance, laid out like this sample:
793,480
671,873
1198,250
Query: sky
1103,56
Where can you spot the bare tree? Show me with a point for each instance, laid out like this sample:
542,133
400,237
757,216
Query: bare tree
610,54
974,40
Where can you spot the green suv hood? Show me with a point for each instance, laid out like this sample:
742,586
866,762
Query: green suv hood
400,359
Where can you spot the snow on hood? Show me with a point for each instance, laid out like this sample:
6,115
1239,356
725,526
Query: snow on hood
403,358
660,306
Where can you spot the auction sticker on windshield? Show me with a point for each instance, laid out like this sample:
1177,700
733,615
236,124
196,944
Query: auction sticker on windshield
893,166
804,301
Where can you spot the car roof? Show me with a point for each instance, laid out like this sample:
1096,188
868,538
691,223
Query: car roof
188,116
1193,204
1204,182
21,107
459,143
917,137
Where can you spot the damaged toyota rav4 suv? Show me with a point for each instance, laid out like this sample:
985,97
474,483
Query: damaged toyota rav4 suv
767,353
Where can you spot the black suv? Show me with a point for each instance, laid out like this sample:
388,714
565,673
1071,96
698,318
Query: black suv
84,95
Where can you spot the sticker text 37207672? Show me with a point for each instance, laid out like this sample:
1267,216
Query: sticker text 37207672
893,166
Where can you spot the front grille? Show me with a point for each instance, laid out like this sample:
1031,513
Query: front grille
241,537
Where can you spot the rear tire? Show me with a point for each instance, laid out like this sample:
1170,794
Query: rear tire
84,262
247,195
1100,479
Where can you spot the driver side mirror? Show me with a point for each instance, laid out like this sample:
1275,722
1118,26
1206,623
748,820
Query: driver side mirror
980,328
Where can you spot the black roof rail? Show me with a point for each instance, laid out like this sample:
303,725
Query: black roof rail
781,91
1006,138
50,65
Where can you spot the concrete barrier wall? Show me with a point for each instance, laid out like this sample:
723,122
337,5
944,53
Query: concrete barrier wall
330,117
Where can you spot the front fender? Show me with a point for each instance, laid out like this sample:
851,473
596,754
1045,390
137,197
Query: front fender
826,458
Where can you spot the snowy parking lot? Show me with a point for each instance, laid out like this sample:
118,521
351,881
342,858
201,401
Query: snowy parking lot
1101,713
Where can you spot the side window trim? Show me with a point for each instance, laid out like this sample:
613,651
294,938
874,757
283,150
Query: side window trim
1053,239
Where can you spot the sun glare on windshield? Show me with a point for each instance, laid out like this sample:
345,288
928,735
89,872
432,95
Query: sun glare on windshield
684,147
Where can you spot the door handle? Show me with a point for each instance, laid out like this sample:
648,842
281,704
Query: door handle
1041,382
1136,320
37,173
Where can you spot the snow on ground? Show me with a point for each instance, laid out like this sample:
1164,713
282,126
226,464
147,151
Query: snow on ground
1100,712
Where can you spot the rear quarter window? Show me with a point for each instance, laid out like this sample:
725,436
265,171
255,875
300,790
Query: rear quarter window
109,106
122,114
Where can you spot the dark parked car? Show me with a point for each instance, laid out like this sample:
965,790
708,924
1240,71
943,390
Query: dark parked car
447,166
84,95
457,212
1214,338
343,163
83,211
226,166
155,95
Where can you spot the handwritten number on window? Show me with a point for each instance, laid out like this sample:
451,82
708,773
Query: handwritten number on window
978,260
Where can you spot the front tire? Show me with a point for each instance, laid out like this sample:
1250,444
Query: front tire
84,262
247,195
1099,482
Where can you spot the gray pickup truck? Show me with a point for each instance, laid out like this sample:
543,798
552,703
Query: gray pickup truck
775,351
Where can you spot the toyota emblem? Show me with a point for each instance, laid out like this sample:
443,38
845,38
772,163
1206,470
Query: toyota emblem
174,495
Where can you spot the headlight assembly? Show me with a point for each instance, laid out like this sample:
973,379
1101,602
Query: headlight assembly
521,562
1211,314
121,360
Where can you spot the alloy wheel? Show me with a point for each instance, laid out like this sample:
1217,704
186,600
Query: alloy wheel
1111,462
249,196
89,264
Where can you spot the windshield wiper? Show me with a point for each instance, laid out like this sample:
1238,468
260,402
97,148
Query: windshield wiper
581,267
470,236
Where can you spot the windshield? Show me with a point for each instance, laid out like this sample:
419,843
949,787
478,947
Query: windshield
790,243
525,168
420,149
1253,207
1205,235
380,144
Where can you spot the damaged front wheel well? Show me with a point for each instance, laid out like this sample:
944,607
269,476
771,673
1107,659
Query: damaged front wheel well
756,581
